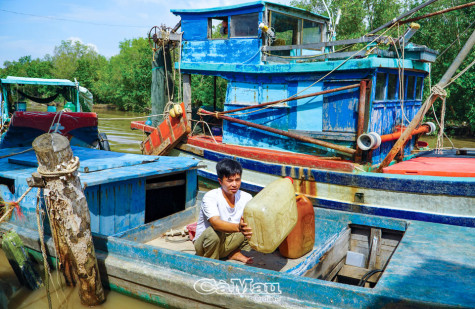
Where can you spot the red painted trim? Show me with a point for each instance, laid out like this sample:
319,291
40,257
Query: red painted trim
434,166
44,120
271,156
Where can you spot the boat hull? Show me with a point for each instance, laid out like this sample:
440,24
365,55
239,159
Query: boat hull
447,200
169,278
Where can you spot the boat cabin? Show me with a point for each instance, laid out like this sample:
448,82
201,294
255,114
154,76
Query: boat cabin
271,52
22,123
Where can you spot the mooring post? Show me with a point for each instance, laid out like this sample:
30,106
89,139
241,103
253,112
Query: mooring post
69,216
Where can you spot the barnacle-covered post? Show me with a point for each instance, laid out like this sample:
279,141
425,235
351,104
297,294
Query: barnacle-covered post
69,216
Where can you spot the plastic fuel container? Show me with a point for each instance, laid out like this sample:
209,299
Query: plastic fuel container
271,214
302,237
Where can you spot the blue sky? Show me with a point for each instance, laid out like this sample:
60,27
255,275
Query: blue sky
24,34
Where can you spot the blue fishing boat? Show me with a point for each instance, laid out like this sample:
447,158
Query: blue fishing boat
331,119
76,121
358,260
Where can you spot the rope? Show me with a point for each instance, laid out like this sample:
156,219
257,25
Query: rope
14,205
180,94
205,123
305,89
43,248
460,74
457,39
67,170
16,153
130,118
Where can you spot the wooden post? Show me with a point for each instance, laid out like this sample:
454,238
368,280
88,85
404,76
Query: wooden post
187,96
69,216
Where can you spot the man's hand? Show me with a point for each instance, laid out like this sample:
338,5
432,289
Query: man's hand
244,229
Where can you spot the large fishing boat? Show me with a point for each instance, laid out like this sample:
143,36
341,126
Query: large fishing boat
344,124
76,121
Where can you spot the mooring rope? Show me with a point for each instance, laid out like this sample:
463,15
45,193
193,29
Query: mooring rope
62,170
13,205
43,248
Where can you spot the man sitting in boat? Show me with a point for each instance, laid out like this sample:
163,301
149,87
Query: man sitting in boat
221,231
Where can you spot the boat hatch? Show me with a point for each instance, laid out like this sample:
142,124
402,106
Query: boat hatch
359,256
164,196
10,183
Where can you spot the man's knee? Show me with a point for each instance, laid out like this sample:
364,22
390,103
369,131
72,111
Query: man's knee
211,238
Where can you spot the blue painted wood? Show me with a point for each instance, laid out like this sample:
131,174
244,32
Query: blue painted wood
454,186
191,188
432,266
91,159
115,196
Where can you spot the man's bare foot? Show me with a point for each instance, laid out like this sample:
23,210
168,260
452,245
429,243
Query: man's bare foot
238,256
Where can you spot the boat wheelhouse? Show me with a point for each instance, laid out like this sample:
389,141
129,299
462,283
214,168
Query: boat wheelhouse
76,120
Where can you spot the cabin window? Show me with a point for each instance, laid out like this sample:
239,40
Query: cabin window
380,86
286,31
419,88
392,86
244,25
410,87
218,28
312,32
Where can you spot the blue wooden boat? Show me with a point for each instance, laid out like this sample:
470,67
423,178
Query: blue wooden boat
379,94
403,263
75,121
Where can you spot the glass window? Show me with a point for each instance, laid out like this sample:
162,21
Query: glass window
419,88
286,30
312,32
392,87
218,28
410,87
380,86
244,25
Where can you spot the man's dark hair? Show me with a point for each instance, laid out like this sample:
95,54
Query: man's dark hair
228,168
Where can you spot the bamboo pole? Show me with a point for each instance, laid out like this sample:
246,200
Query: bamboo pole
428,103
69,216
305,139
410,20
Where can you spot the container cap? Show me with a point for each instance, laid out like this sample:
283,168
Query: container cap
290,179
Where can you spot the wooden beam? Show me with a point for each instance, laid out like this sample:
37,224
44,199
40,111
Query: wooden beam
375,249
165,184
187,96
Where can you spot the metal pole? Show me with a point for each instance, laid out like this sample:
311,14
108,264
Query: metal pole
410,20
305,139
395,20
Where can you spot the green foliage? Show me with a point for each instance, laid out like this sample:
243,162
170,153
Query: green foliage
125,80
202,90
438,32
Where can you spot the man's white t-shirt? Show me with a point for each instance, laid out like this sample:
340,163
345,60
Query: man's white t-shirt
214,204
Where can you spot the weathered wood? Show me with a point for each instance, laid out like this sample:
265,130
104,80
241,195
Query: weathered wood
332,257
69,216
374,260
357,273
165,184
187,96
305,139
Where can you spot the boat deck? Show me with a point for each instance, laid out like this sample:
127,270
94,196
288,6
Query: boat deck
271,261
